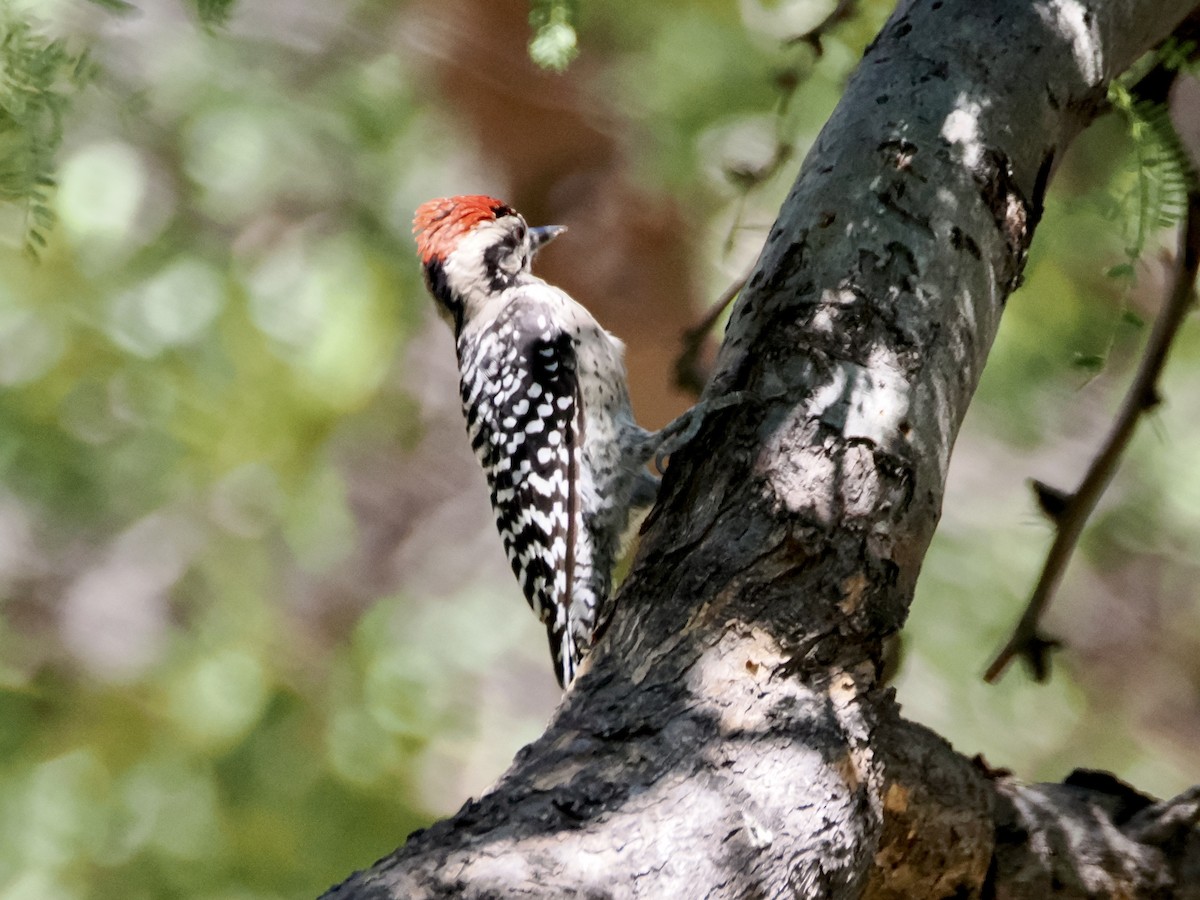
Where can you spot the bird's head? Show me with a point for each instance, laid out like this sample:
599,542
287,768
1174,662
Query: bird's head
472,248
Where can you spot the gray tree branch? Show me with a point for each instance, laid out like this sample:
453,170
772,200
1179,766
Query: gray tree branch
729,736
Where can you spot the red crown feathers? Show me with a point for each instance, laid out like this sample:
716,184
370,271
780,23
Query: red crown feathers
438,224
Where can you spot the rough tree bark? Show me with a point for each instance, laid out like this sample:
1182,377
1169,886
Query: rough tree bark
730,737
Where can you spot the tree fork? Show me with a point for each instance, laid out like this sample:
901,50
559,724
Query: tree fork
729,737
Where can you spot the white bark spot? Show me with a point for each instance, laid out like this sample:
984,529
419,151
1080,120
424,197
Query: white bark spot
828,395
758,835
878,402
962,127
1070,19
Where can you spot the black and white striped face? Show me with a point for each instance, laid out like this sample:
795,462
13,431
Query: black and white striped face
489,259
491,256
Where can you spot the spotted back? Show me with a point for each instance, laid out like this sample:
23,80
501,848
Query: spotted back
521,398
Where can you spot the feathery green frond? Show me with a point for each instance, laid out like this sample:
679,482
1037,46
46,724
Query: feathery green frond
1162,171
39,78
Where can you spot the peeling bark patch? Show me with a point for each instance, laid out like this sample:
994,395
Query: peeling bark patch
993,172
896,798
864,491
853,590
1009,208
804,488
722,671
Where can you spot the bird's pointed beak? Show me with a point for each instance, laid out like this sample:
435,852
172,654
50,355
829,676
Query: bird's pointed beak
544,234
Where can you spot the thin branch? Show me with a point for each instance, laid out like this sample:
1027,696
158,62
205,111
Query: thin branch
689,375
841,13
1027,640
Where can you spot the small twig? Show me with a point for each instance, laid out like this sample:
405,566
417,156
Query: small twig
843,11
1027,640
689,375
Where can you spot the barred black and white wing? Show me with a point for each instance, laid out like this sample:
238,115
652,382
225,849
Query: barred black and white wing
525,419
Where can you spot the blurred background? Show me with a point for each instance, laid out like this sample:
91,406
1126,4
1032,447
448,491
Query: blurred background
255,622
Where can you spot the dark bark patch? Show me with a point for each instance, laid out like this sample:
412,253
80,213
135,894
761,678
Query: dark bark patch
939,71
890,198
1122,801
1011,212
788,264
900,266
960,240
1039,188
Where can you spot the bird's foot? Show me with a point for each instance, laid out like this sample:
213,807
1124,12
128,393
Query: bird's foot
681,431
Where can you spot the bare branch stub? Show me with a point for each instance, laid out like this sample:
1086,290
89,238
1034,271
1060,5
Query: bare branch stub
689,373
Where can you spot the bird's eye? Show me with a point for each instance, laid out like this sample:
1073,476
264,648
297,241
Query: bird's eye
513,259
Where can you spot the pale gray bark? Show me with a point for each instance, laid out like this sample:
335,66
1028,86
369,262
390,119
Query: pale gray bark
729,737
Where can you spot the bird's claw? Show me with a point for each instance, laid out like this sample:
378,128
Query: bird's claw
680,432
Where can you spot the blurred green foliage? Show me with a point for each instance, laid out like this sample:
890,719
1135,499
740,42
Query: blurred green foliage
166,735
554,43
202,691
